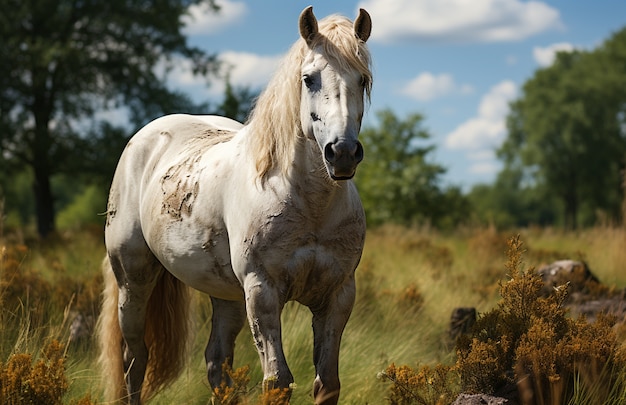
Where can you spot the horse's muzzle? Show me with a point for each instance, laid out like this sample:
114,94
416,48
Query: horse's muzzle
342,158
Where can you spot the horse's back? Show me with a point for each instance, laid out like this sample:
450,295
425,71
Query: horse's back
218,122
180,128
215,121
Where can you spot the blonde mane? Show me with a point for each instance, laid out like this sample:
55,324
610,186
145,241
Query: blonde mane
275,121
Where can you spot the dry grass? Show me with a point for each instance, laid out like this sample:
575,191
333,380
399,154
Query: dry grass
408,283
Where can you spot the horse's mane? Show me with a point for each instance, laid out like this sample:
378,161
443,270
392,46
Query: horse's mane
275,120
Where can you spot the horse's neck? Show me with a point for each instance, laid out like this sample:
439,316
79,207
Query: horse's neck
306,177
309,178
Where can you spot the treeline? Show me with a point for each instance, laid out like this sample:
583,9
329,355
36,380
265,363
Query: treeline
65,61
565,153
564,156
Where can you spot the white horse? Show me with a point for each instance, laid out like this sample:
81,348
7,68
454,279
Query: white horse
252,215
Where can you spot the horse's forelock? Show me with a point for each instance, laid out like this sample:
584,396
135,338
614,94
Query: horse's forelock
275,120
344,49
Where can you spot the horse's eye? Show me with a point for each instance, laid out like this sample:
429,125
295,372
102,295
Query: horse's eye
308,81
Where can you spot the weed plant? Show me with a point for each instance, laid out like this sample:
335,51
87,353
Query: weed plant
44,382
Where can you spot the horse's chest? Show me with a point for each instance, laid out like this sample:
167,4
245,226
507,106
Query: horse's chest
304,259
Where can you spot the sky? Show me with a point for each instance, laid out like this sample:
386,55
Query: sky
457,62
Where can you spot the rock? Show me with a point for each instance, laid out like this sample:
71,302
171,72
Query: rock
590,309
586,294
461,321
479,399
81,327
572,272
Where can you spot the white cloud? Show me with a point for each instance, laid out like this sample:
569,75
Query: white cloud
488,128
244,69
179,72
459,20
484,154
202,20
249,69
479,136
427,86
484,167
545,56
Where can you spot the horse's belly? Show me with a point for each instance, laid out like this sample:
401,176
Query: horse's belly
200,259
217,281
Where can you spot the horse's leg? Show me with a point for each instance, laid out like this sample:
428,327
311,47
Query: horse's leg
329,320
136,281
226,323
264,307
132,315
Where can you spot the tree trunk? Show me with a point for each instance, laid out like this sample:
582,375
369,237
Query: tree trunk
571,210
41,163
44,202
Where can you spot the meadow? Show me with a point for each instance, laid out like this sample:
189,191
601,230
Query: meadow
408,282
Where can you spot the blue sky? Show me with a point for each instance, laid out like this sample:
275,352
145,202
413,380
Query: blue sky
457,62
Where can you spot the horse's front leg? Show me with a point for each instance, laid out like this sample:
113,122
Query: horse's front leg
264,306
329,320
227,320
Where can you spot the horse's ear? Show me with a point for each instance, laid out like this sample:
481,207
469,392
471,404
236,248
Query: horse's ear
363,25
308,25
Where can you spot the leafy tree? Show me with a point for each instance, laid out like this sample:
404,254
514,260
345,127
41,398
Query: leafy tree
64,60
398,182
237,103
567,132
509,202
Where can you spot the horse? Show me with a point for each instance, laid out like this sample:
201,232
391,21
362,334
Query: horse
253,215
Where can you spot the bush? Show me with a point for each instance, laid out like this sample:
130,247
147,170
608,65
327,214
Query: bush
530,342
426,386
526,343
22,382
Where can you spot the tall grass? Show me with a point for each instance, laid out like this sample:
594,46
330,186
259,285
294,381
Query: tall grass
408,283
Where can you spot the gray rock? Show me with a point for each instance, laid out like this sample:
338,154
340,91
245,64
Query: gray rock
479,399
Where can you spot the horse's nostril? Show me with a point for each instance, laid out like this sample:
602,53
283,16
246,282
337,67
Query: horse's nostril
329,153
358,154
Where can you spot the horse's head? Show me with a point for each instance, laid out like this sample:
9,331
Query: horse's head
335,79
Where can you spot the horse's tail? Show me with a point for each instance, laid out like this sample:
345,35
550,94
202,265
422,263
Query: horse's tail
167,332
166,336
110,340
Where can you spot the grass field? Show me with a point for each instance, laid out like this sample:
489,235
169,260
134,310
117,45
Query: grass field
408,282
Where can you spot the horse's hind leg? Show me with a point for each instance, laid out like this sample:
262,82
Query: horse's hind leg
329,320
226,323
136,282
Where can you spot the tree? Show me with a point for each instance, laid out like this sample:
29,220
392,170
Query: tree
63,60
511,203
237,103
567,130
397,181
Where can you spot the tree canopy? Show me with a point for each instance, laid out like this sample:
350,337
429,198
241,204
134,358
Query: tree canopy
397,180
65,60
567,132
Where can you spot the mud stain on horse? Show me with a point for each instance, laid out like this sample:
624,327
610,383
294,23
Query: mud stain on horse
180,184
180,189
